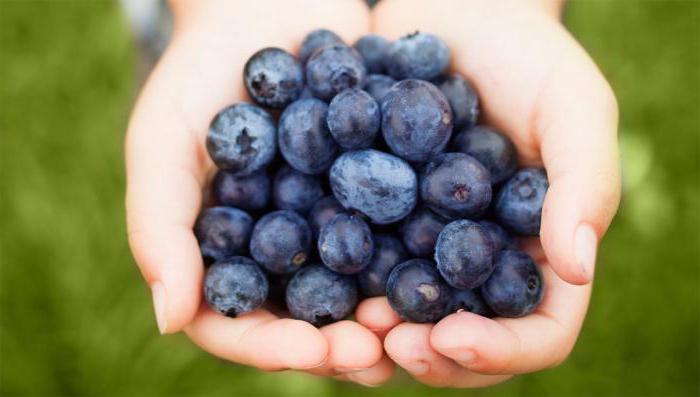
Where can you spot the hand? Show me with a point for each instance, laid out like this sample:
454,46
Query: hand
539,87
168,169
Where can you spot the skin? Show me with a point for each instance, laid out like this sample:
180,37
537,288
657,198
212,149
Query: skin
525,67
572,136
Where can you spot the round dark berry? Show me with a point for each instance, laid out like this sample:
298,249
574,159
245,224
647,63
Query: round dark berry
234,286
281,242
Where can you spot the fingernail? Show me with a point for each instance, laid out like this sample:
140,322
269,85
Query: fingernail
159,304
464,357
349,370
416,367
585,246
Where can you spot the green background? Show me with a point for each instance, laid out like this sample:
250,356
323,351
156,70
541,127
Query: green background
76,319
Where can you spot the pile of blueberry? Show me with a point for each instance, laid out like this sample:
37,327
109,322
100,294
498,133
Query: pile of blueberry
374,180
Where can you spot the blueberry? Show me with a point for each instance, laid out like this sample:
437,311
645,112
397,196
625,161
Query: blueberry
493,149
316,39
250,193
378,85
515,288
281,242
420,231
234,286
380,186
388,252
322,212
416,291
304,139
346,244
321,296
273,77
417,56
296,191
500,238
353,119
469,300
416,120
519,202
464,254
372,47
333,69
241,139
463,99
455,185
223,232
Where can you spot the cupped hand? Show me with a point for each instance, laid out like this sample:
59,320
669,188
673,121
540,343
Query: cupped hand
168,169
540,87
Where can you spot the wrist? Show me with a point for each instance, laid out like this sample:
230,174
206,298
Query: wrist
259,23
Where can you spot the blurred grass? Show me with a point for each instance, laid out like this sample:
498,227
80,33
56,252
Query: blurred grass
75,317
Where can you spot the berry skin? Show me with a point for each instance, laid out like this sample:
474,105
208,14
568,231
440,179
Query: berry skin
322,212
304,139
456,185
501,239
306,93
388,252
380,186
417,56
353,119
469,300
515,288
234,286
321,296
241,139
281,242
372,47
346,244
333,69
420,231
378,85
462,98
273,77
417,293
316,39
416,120
493,150
223,232
519,202
296,191
250,193
464,254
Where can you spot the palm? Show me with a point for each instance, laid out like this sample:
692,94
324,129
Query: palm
535,84
169,169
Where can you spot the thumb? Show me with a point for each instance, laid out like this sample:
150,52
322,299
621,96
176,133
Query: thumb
165,175
576,123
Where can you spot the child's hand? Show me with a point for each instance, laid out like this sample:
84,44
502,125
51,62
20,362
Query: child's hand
168,168
538,86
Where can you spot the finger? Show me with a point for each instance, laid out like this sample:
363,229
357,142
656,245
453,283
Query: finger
409,346
259,339
376,314
166,169
374,376
540,340
352,348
